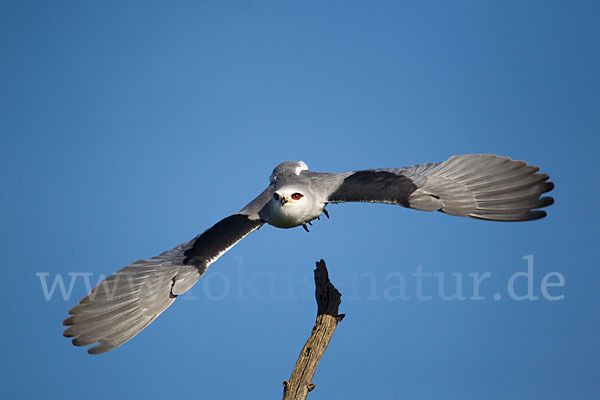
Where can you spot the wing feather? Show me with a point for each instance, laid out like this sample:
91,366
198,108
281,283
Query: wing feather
483,186
124,303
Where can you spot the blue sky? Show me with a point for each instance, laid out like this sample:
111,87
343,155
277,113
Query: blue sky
129,127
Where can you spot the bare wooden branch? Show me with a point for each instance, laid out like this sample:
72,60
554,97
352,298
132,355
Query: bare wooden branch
328,302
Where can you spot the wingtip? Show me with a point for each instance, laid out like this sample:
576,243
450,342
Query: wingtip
68,333
99,349
546,201
535,215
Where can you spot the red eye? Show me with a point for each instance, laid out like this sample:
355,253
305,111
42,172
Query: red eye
296,196
276,196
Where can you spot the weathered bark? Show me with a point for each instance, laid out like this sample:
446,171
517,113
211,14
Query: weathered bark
328,302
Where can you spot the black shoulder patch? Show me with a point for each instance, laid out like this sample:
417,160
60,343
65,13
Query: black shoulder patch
219,238
375,186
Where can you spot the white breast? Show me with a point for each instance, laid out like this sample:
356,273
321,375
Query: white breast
290,214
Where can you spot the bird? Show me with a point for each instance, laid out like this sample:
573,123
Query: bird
479,186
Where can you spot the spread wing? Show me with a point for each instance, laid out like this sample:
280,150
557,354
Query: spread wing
123,304
479,186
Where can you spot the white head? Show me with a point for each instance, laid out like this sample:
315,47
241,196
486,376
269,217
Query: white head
292,206
289,196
